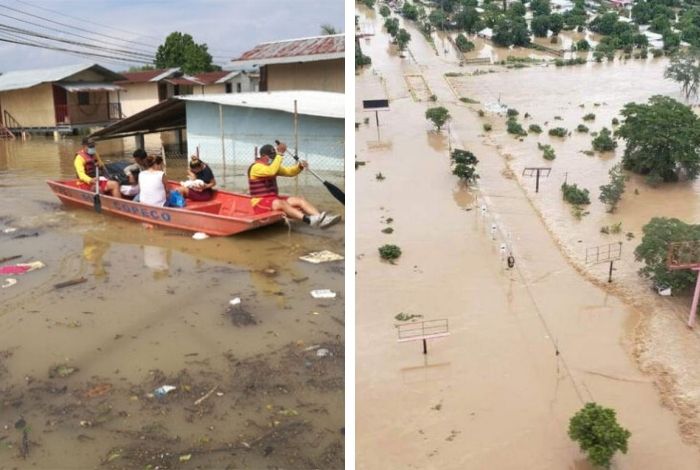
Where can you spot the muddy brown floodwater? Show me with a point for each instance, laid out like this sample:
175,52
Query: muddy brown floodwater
259,385
528,346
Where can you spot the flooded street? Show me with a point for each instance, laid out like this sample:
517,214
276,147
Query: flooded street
528,346
257,385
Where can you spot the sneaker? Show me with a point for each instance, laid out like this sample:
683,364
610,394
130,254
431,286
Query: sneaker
316,220
330,220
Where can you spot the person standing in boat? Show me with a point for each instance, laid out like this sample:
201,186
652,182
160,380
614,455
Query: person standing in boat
201,182
153,184
85,163
262,181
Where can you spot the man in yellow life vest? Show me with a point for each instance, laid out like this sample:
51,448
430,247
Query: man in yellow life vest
85,163
262,180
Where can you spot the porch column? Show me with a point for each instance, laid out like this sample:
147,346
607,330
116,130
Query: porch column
140,141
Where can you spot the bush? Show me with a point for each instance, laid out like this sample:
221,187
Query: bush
481,113
615,121
487,127
464,165
589,117
611,193
558,132
464,44
575,195
464,99
389,252
603,142
653,250
514,127
598,434
512,112
657,53
535,129
547,151
583,45
581,128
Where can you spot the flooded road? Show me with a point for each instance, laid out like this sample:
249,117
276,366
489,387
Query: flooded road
527,346
258,385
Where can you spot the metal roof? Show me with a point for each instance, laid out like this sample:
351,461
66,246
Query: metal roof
171,113
146,76
294,50
21,79
312,103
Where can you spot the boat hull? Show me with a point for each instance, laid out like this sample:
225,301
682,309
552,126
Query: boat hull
227,214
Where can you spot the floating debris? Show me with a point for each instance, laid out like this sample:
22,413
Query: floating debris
72,282
200,236
61,371
324,256
21,268
9,282
163,390
323,294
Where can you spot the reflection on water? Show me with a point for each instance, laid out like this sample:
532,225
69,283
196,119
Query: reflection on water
93,252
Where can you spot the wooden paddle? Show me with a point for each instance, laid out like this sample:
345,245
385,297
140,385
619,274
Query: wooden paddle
333,189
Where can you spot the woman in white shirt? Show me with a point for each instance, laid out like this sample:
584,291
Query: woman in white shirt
152,182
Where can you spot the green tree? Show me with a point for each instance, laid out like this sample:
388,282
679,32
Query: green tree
385,11
464,165
468,20
438,116
653,251
611,193
597,432
402,39
540,7
409,11
392,26
540,26
369,3
438,18
328,30
517,9
685,69
583,45
605,23
603,142
671,40
556,23
662,138
180,50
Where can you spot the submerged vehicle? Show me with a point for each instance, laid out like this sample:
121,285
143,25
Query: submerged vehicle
227,213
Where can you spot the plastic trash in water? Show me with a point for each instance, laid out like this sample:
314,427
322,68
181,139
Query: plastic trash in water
200,236
21,268
323,352
9,282
163,390
235,301
663,291
321,257
323,294
9,230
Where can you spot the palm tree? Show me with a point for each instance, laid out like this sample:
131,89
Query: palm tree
327,30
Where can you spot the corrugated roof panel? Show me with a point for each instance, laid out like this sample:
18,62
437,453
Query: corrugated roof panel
89,86
295,50
21,79
312,103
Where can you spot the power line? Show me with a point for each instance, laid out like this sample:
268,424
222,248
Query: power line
126,55
144,52
226,57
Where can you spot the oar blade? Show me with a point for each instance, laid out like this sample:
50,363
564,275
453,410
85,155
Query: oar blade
335,191
97,203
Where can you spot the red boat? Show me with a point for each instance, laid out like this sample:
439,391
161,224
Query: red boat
226,214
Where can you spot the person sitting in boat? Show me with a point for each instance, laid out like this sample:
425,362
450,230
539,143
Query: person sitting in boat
153,185
130,174
85,163
202,190
262,181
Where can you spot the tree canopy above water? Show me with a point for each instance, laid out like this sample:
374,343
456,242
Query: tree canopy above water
663,138
180,50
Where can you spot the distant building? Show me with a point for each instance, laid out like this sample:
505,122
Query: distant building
226,129
60,99
486,33
316,63
620,3
141,90
227,81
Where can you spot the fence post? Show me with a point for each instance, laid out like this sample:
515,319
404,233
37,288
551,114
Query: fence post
223,145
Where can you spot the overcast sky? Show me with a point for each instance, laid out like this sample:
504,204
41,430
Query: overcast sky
228,27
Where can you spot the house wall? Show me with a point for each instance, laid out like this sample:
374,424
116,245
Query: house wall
136,97
247,85
324,75
31,107
321,140
96,111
